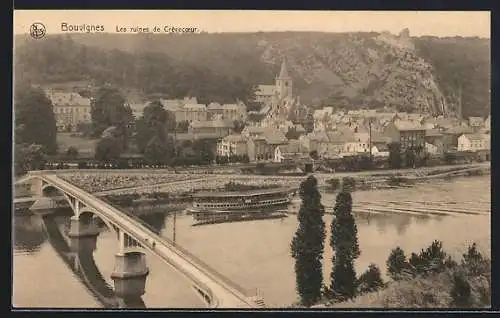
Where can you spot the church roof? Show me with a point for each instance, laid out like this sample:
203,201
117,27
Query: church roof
284,70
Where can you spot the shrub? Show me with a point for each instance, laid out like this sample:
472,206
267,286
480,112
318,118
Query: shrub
370,280
474,262
396,263
461,292
434,257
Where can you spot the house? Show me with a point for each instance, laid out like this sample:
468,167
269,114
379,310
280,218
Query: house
432,149
294,150
227,111
232,145
191,112
174,104
440,123
220,127
435,138
380,150
473,142
254,131
70,109
262,147
451,136
476,122
408,134
265,93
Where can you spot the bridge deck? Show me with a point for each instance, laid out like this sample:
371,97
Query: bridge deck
225,295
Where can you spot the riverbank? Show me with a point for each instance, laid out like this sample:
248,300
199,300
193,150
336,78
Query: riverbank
364,180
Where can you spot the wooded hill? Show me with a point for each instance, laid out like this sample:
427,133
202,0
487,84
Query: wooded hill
353,70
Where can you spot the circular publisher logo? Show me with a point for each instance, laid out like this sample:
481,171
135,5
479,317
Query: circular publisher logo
37,30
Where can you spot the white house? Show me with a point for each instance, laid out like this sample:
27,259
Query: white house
473,142
293,150
235,145
379,151
431,149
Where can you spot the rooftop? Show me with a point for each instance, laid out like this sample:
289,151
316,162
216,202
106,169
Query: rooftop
195,106
265,90
406,125
293,146
235,137
477,136
68,99
213,123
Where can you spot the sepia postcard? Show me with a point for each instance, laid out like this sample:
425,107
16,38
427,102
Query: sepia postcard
251,159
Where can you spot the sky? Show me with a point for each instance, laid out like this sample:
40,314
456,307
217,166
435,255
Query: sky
436,23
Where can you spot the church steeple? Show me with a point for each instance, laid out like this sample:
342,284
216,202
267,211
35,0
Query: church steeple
284,69
284,83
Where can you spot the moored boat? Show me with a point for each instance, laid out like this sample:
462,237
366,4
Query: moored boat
217,207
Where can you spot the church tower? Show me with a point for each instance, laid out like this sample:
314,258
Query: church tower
284,83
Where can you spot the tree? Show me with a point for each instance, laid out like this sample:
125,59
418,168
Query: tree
34,119
394,155
72,152
396,263
109,109
239,125
151,124
370,280
434,257
308,243
474,261
28,157
156,151
108,149
344,243
410,158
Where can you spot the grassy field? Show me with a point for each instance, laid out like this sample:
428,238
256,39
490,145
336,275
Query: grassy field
85,146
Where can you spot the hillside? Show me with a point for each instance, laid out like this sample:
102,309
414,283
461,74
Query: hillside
347,69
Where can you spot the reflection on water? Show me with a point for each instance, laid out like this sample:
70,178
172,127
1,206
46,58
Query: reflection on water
29,234
254,254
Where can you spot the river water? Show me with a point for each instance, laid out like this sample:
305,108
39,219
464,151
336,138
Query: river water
254,254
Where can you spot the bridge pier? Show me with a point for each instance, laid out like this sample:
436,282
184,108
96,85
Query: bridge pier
44,205
36,187
129,275
83,227
85,244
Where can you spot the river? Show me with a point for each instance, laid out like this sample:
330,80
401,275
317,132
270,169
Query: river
254,254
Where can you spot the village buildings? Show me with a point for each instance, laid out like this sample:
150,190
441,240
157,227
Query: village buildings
70,109
473,142
408,134
232,145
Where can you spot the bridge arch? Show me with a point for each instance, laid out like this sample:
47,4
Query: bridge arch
84,211
46,185
214,285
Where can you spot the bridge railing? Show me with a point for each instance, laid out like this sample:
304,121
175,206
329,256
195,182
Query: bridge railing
197,261
194,260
